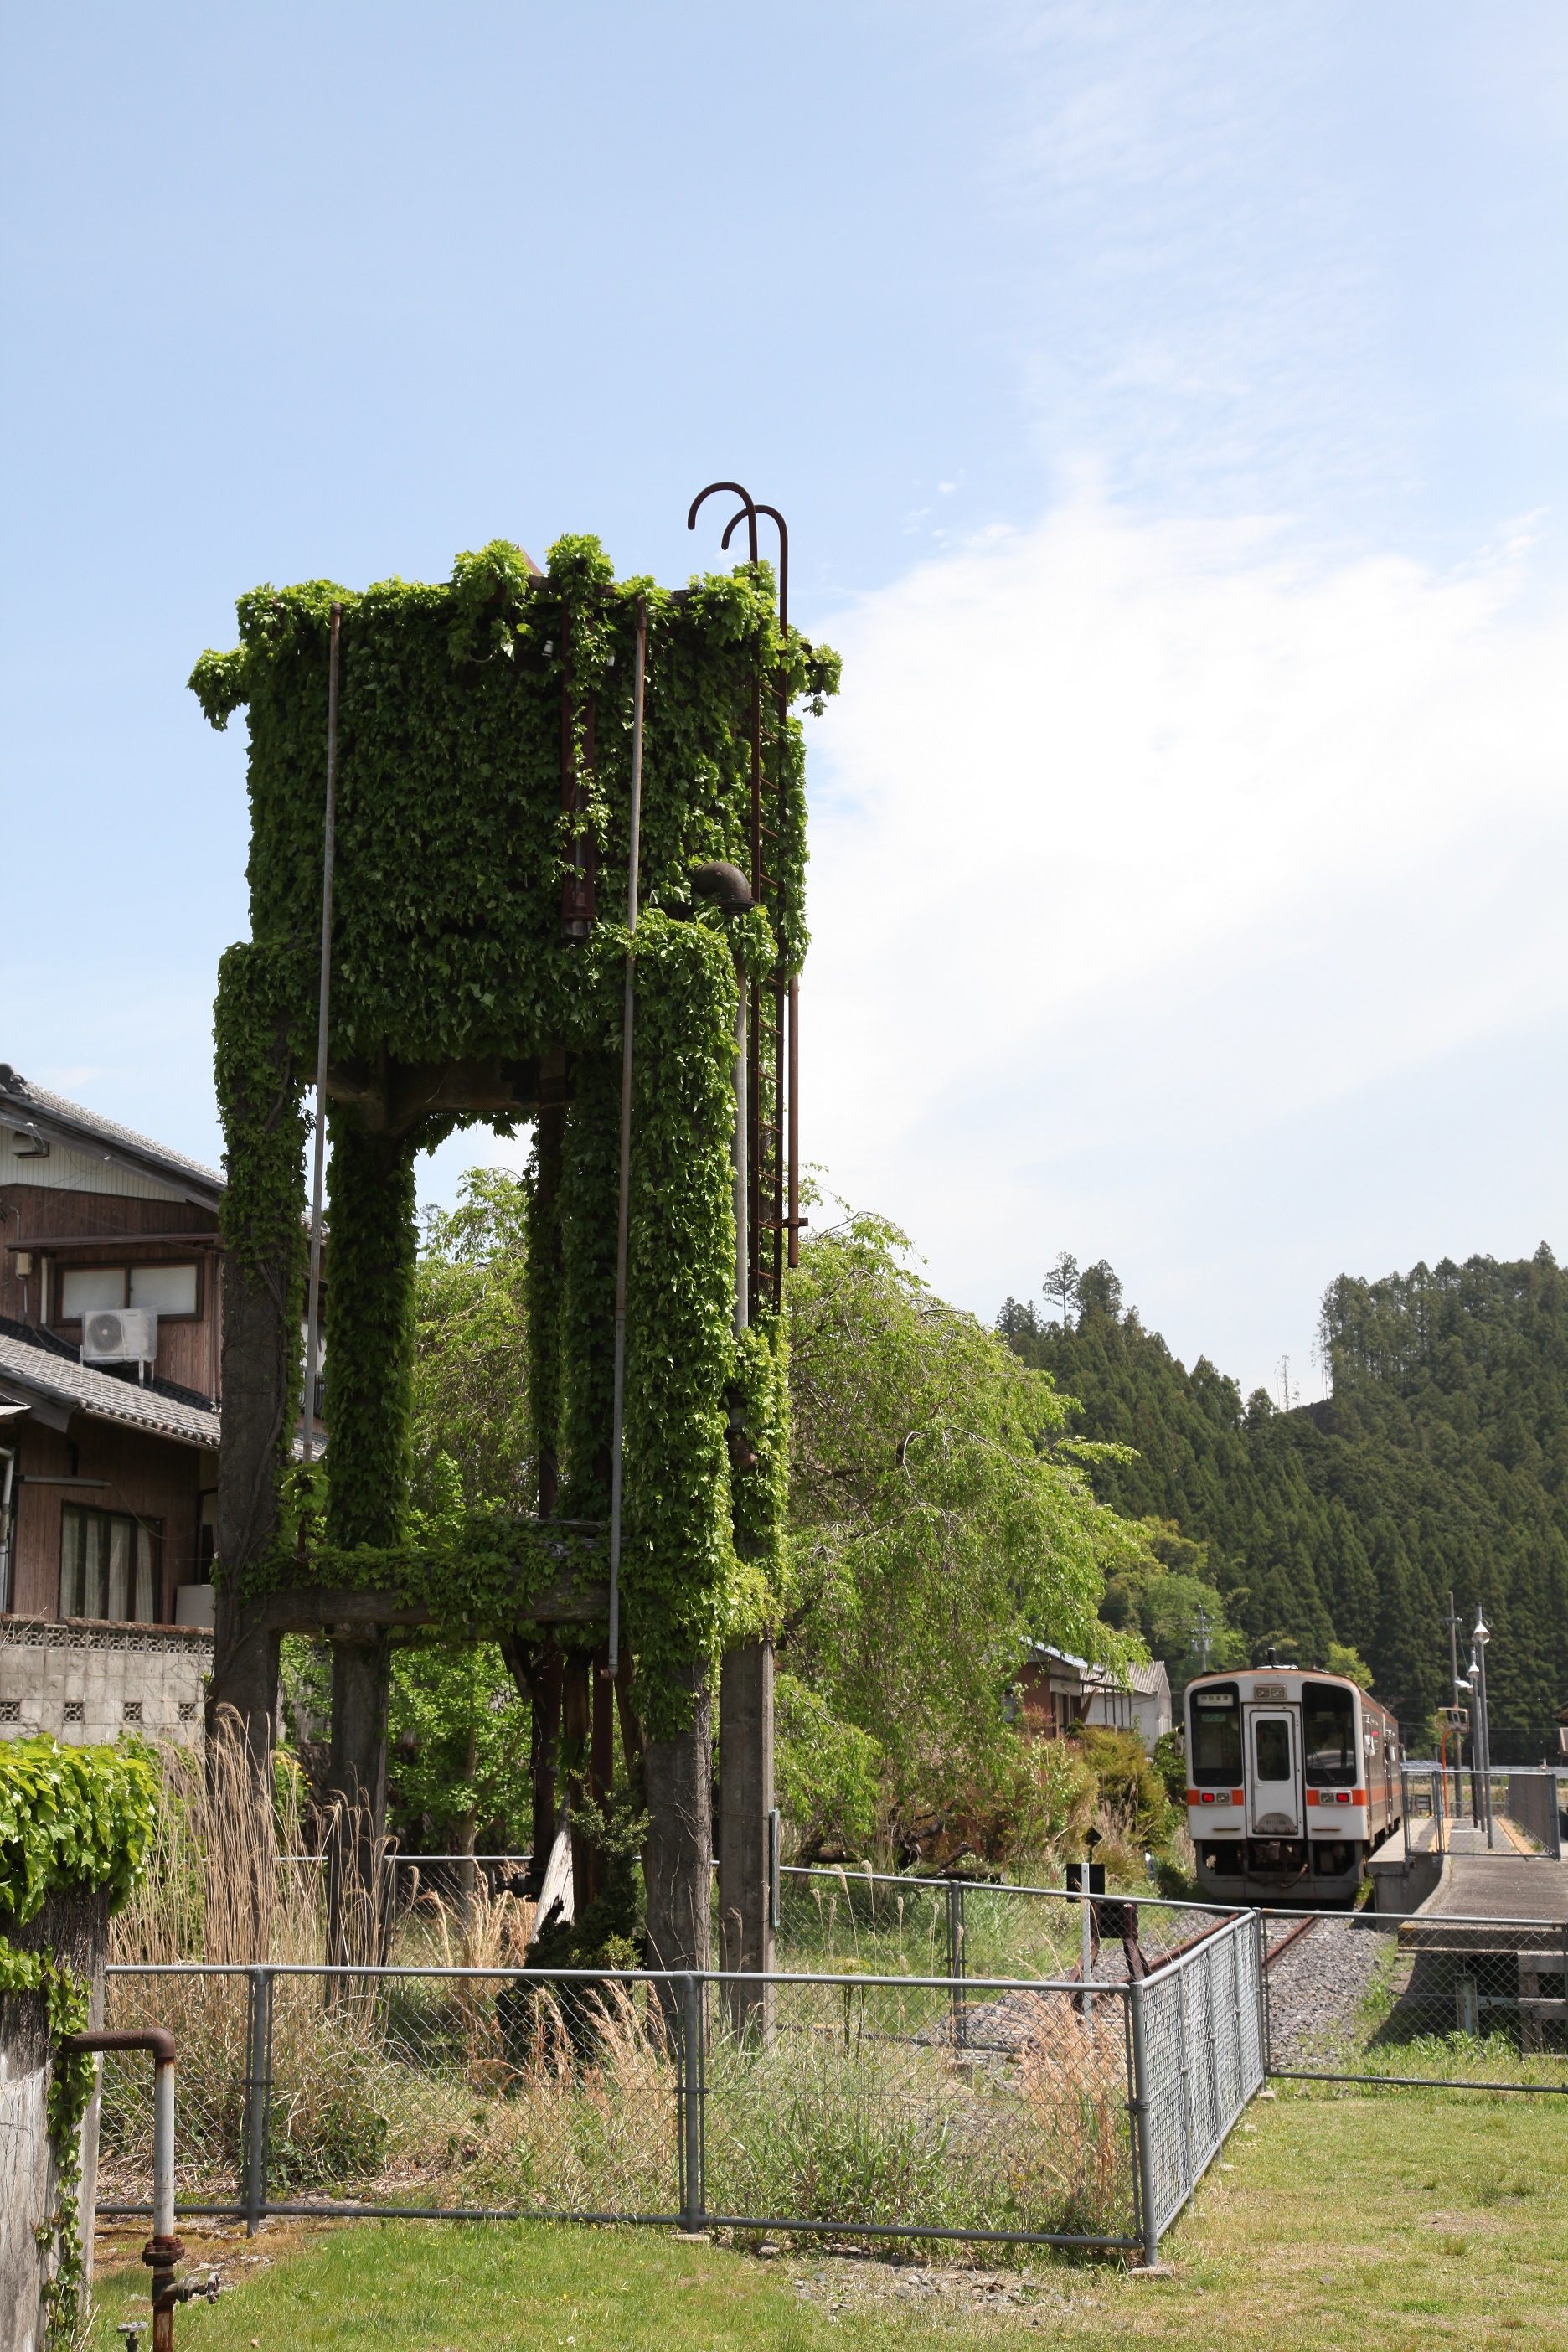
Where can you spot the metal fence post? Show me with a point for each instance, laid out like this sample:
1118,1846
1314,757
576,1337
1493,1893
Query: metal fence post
1143,2123
258,2094
1211,2004
775,1892
1265,2018
691,2100
955,1962
1189,2167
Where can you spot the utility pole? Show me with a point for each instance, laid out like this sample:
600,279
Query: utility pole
1203,1633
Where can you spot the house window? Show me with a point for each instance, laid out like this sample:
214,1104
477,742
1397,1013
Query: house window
165,1289
85,1288
108,1565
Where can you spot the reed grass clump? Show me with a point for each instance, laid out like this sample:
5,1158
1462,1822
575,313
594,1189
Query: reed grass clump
842,2106
854,2115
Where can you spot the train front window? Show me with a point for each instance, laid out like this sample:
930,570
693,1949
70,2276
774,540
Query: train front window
1217,1740
1271,1741
1328,1736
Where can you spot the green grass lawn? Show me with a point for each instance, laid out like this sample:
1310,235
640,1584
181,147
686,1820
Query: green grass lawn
1367,2218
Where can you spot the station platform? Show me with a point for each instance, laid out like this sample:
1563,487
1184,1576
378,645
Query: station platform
1491,1937
1470,1881
1477,1885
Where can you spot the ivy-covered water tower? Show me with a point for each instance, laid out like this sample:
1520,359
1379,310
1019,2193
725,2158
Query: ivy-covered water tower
500,742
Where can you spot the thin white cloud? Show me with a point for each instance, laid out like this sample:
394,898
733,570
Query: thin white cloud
1134,839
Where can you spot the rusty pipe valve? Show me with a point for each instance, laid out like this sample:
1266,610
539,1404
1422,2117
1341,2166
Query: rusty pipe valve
162,2251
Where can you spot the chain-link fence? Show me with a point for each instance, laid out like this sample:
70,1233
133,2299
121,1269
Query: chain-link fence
892,2079
912,2105
1437,1999
1197,2030
856,1918
1533,1799
1465,1810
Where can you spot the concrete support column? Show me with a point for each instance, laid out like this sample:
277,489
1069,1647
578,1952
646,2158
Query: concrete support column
544,1279
545,1744
576,1703
601,1757
745,1801
356,1786
258,1337
678,1860
242,1696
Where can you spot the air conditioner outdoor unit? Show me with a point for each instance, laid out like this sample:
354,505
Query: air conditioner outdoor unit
120,1335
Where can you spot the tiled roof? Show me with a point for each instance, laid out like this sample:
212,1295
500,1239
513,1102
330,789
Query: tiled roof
27,1370
71,1124
1149,1682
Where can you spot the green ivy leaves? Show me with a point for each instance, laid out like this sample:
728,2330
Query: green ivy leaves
70,1818
484,748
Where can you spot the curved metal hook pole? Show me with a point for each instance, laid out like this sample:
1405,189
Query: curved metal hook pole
783,552
711,491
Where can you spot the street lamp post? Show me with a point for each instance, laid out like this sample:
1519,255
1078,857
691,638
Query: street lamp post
1482,1736
1479,1640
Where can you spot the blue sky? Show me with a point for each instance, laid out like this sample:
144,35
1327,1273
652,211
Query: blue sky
1168,408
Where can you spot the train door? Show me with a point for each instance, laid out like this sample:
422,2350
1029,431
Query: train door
1273,1774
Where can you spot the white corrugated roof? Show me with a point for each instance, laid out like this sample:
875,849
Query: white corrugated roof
22,1101
39,1371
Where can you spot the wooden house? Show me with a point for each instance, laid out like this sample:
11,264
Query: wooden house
1056,1690
111,1347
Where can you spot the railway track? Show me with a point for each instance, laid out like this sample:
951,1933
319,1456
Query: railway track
1280,1943
1283,1943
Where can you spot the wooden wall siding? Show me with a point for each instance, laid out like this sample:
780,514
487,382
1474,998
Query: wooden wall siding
152,1477
1049,1707
188,1351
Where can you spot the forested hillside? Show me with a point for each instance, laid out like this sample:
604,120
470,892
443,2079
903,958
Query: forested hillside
1442,1461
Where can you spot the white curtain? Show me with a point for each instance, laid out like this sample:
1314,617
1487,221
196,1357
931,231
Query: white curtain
70,1564
144,1612
120,1534
95,1576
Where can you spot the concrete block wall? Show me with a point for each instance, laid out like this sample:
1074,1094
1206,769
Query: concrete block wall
85,1684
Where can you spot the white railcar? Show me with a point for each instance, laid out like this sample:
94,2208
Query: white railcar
1292,1784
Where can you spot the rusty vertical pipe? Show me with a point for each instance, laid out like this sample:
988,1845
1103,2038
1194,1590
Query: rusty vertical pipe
162,2251
742,1258
794,1121
757,790
754,1087
776,1207
328,847
163,2147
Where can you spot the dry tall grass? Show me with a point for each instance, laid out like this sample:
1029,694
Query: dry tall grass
481,1931
228,1879
866,2108
422,2090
